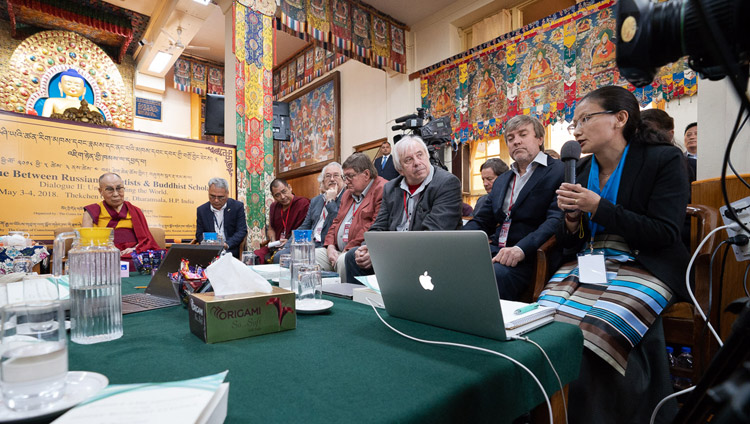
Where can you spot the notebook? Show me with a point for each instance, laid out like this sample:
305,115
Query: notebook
160,292
445,279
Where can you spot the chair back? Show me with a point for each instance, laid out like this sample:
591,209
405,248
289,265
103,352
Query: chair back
159,236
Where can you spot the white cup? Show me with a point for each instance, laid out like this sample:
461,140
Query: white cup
34,354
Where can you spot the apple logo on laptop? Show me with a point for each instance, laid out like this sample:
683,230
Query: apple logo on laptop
426,281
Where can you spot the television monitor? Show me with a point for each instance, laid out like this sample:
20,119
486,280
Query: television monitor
281,130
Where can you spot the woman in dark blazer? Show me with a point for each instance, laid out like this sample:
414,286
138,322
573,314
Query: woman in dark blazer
625,212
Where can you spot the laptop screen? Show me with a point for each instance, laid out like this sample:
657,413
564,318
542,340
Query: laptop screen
196,254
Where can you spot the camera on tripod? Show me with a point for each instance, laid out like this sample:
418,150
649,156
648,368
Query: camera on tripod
435,133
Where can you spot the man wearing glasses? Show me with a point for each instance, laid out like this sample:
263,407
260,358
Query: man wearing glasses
128,221
223,216
521,211
359,207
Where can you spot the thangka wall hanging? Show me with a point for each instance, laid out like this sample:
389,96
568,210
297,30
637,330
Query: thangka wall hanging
352,28
33,81
253,51
541,69
315,62
198,77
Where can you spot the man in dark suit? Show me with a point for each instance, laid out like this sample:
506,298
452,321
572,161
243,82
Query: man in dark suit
423,198
521,210
223,216
323,207
384,164
691,149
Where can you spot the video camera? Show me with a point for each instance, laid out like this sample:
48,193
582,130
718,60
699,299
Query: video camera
435,133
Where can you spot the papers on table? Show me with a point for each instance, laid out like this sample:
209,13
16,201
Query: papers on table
187,401
42,287
370,281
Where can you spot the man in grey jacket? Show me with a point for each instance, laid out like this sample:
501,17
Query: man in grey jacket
422,198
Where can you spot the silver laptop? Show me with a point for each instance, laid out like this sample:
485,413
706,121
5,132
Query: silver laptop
441,278
160,292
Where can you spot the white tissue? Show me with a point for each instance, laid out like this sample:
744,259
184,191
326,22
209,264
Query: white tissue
16,240
228,276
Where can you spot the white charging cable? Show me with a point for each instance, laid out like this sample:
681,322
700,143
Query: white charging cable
687,282
481,349
559,382
663,401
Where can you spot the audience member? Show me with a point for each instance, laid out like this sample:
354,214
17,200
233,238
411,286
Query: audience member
423,198
360,205
324,207
131,231
223,216
286,213
384,164
521,212
691,148
623,214
490,170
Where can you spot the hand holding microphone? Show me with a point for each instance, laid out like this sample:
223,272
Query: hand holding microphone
572,197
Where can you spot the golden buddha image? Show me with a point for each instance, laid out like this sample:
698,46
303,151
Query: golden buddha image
72,90
486,86
604,52
540,70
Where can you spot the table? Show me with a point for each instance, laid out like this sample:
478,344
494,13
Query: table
344,366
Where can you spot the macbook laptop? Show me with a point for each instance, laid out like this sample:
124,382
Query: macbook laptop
160,293
441,278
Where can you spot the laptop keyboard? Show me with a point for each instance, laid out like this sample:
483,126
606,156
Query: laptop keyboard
148,301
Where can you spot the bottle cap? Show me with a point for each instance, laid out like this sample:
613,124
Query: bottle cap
686,349
302,235
670,349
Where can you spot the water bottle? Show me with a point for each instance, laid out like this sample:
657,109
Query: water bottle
303,253
670,356
94,278
685,358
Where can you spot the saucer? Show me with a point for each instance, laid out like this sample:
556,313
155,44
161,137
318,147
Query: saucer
313,306
79,386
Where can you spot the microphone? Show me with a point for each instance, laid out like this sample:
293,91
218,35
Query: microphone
569,154
397,127
406,118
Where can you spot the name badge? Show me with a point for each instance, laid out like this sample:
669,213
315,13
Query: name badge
346,232
503,237
591,268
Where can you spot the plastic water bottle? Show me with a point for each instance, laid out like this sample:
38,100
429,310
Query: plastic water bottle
685,358
670,356
95,286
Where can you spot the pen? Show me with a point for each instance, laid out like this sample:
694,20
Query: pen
140,287
527,308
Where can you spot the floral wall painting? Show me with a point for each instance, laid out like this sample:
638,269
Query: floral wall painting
315,128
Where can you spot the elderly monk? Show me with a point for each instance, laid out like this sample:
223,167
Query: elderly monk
131,228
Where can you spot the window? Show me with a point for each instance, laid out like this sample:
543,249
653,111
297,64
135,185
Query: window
481,151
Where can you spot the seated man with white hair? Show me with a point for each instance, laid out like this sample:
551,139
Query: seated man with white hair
223,216
423,198
323,207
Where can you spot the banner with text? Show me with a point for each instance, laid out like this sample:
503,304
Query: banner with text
50,170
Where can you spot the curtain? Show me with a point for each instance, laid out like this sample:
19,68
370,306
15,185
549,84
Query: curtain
491,28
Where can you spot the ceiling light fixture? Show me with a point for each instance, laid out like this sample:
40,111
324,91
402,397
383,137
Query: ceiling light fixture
160,61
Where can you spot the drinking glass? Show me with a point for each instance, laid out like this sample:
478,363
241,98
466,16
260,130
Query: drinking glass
310,283
248,258
285,271
23,264
34,361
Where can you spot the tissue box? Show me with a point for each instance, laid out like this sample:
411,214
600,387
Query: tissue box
124,269
217,319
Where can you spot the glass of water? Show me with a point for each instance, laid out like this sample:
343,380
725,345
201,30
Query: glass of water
34,361
248,258
285,271
310,283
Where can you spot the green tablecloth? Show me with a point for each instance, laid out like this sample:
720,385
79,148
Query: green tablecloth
343,366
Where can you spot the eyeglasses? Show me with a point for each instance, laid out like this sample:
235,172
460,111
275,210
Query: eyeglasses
351,176
212,197
586,118
331,176
110,190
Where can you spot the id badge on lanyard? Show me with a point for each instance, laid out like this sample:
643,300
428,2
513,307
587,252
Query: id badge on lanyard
591,267
346,232
503,236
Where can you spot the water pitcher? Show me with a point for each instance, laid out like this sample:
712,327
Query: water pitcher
95,286
303,253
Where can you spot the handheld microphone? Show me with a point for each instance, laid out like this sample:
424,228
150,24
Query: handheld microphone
406,118
569,154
